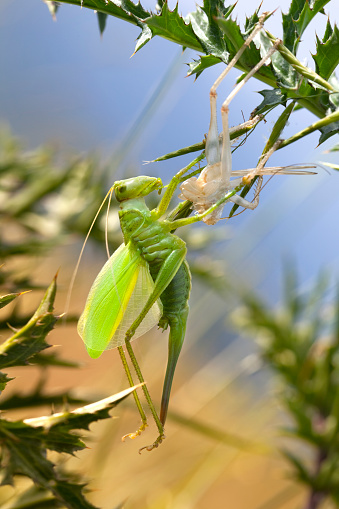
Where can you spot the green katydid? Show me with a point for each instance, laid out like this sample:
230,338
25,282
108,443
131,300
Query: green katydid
146,282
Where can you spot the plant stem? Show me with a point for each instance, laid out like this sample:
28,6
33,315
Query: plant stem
316,497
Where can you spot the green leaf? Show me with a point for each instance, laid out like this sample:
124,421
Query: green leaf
135,10
327,52
6,299
283,72
232,34
302,473
272,98
52,359
102,18
335,148
24,453
34,190
297,19
80,418
251,22
205,61
145,36
19,348
52,7
170,25
4,379
207,30
38,398
33,498
25,445
328,131
200,31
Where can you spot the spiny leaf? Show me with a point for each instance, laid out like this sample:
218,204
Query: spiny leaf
19,348
206,36
302,473
112,7
24,453
25,198
39,398
4,379
82,417
232,34
328,131
170,25
251,22
102,18
272,98
52,7
6,299
205,61
145,36
52,359
327,54
207,31
309,10
297,19
25,443
33,498
136,10
235,40
276,67
283,72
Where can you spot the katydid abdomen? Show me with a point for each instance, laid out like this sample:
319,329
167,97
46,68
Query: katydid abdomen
165,254
175,312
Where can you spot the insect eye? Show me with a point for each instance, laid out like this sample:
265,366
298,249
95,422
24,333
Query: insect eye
122,189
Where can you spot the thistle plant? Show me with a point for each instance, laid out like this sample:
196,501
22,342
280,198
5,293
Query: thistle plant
47,202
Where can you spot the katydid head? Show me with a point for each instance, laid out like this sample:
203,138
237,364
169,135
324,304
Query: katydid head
136,187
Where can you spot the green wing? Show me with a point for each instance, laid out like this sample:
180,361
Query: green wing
115,300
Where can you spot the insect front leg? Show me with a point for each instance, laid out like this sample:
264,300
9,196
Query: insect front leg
161,209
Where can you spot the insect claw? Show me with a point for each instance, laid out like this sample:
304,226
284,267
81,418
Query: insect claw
136,433
154,445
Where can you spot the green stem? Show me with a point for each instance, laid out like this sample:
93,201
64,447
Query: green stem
235,132
333,117
299,67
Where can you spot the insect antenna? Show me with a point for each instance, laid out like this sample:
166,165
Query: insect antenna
75,272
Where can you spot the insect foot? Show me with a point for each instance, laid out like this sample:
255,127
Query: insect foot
136,433
154,445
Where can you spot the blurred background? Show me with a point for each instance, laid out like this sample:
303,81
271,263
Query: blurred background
64,86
